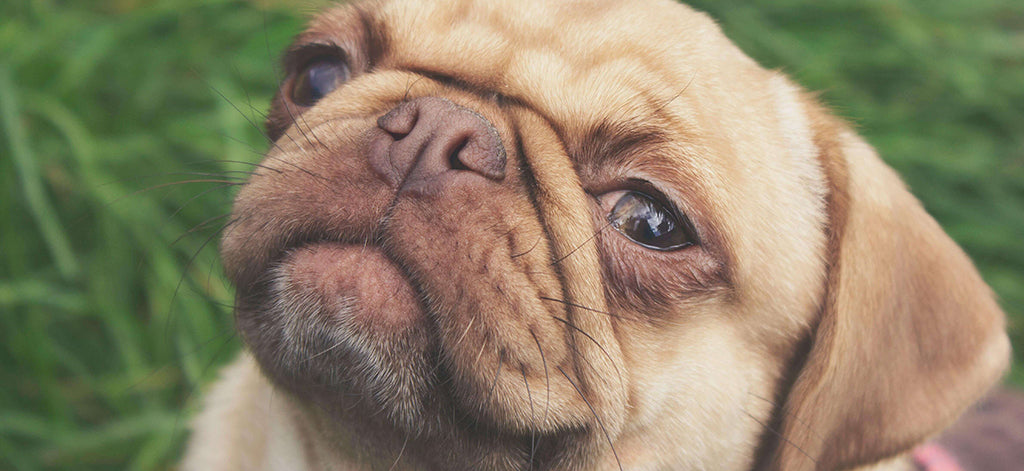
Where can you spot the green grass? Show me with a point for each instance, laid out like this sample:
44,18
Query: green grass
113,310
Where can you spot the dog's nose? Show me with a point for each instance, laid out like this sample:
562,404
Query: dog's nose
432,137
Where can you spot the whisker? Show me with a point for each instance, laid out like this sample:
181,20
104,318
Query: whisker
223,181
232,104
288,109
255,126
400,452
241,162
243,143
533,418
456,344
494,384
481,352
599,346
677,95
143,380
600,422
535,244
325,351
184,274
245,91
585,308
306,171
200,226
408,87
251,234
311,132
779,435
195,197
594,235
464,332
547,379
170,174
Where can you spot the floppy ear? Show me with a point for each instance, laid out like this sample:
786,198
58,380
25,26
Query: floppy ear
909,334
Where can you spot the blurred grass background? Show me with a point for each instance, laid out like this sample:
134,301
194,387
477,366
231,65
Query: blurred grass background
113,309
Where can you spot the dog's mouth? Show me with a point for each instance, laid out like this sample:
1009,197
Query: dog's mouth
409,325
355,284
349,328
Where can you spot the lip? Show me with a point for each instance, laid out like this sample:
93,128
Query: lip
377,294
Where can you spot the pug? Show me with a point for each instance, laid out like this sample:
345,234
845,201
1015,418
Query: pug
579,235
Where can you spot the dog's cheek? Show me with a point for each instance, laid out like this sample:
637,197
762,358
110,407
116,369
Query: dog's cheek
493,297
305,189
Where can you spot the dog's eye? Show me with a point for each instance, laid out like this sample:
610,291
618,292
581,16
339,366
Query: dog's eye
649,223
320,76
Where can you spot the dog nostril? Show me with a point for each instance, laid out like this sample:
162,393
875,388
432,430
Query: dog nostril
454,160
429,136
479,150
400,121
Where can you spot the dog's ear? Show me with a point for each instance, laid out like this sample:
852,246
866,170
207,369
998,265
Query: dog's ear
909,334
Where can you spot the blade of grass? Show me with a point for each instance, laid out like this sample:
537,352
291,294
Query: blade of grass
40,293
32,185
70,445
14,457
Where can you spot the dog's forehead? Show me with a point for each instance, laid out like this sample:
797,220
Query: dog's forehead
559,57
613,68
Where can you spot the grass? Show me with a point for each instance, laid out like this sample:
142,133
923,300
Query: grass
113,309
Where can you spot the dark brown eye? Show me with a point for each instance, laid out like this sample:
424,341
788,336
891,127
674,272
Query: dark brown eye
649,223
320,76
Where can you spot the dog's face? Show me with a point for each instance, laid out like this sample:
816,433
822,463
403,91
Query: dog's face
504,235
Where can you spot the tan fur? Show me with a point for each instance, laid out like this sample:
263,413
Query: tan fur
824,321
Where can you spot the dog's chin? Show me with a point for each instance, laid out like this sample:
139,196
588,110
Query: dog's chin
341,326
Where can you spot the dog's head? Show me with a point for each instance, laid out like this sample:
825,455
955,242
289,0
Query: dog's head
499,235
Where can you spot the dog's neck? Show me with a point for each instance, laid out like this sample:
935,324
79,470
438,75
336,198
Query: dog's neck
262,428
308,442
343,439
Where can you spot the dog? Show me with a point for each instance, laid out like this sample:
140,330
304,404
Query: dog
582,235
